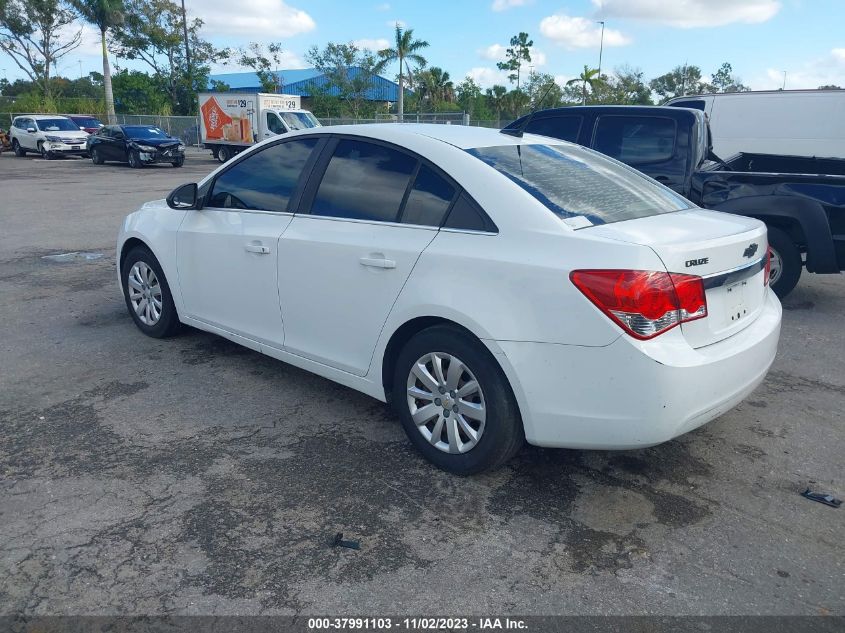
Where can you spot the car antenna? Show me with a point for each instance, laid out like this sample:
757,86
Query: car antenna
518,132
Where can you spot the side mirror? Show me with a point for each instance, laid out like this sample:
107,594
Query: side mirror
183,197
31,130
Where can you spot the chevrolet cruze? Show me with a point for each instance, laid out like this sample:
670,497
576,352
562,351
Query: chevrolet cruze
494,288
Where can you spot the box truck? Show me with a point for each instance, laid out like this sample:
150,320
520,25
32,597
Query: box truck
232,121
792,122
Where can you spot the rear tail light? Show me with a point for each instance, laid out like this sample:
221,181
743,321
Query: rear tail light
767,271
644,303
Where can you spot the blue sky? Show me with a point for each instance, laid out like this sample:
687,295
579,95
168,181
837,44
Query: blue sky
760,38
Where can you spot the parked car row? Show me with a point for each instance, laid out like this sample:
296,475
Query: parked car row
53,136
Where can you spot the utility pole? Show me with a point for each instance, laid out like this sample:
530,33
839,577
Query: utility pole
601,45
80,68
783,87
185,33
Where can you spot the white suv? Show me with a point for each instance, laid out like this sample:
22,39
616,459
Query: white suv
48,134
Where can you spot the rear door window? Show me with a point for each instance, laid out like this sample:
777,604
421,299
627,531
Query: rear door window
428,200
364,181
635,140
566,128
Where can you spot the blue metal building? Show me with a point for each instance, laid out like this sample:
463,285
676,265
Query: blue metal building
304,82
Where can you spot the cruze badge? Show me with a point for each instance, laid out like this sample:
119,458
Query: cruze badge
697,262
750,250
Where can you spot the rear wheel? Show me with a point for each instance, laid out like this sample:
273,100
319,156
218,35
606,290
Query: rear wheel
96,158
785,264
20,152
455,403
224,154
147,294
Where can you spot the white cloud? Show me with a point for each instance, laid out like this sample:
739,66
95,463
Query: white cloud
384,6
561,80
256,19
690,13
487,77
504,5
579,32
371,44
822,71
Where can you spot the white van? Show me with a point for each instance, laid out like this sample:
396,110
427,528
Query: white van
791,122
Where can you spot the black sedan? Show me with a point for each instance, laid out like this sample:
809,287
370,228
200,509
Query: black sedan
137,145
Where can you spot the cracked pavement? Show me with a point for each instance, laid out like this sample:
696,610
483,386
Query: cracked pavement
193,476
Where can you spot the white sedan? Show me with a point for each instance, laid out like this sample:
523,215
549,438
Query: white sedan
495,289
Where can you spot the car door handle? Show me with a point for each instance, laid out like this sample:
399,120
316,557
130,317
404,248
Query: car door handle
377,262
252,247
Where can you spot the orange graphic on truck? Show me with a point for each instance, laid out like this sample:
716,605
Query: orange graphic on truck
214,118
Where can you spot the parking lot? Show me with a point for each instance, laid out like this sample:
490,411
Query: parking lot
193,476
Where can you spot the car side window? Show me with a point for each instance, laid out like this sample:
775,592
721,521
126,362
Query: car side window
428,200
566,128
466,216
364,181
635,139
273,124
265,180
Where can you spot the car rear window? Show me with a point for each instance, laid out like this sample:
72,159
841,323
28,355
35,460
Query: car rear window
580,185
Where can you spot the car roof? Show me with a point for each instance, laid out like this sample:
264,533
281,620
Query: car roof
461,136
42,117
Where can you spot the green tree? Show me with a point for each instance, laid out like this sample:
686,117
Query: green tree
723,80
589,77
264,62
625,87
105,15
516,55
435,87
152,32
31,34
348,69
405,49
680,81
137,92
830,87
496,99
542,90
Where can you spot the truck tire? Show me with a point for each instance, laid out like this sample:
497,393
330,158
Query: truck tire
224,154
786,263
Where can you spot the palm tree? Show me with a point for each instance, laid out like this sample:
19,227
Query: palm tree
589,76
496,97
442,86
105,15
405,49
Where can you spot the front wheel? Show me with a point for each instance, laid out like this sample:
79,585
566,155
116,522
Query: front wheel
134,160
785,263
45,154
455,403
96,157
179,161
20,152
147,294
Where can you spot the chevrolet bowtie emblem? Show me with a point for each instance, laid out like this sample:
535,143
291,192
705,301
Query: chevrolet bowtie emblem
750,250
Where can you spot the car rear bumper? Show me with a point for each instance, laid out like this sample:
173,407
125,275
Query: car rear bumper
632,394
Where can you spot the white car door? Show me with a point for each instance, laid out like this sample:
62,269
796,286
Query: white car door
227,252
342,266
28,139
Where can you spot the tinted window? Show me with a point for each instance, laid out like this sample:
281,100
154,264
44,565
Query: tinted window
144,131
56,125
635,140
273,124
87,122
575,182
265,180
465,215
696,104
565,128
429,200
364,181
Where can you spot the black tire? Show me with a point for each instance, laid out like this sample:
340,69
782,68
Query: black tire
168,323
215,152
96,158
503,434
179,161
134,160
20,152
224,154
790,258
44,153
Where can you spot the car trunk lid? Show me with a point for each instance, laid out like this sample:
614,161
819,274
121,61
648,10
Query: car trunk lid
727,251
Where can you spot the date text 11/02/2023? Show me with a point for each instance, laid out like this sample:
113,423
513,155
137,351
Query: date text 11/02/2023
416,623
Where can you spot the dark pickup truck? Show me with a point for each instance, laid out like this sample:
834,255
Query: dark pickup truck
801,200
